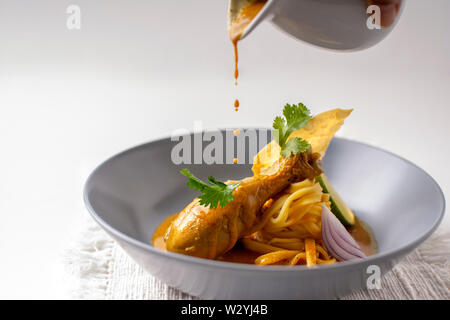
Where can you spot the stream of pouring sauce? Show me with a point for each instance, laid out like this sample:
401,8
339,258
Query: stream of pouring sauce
237,28
360,232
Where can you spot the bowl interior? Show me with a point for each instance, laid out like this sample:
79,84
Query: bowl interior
135,190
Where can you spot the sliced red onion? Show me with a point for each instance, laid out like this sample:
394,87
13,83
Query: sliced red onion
340,247
336,238
325,237
340,234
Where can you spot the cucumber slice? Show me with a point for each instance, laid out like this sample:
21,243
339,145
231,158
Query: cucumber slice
338,206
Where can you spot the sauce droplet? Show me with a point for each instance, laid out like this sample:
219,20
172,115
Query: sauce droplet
236,104
236,132
235,160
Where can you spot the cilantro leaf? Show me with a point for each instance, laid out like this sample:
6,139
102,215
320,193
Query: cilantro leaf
279,124
213,194
295,118
294,146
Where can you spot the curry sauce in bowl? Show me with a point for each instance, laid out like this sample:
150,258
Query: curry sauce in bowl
239,254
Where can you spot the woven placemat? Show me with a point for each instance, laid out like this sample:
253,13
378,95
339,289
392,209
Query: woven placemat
100,269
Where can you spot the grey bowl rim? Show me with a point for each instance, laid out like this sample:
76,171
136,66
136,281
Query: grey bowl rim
385,256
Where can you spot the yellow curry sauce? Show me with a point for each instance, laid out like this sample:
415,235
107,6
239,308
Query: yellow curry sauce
364,237
360,232
237,28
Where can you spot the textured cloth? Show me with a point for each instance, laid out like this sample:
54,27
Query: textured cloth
100,269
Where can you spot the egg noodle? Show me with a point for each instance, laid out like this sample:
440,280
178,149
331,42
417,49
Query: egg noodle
292,230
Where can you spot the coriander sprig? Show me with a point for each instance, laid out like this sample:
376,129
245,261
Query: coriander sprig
214,194
295,118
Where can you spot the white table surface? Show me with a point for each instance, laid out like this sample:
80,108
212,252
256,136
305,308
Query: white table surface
138,70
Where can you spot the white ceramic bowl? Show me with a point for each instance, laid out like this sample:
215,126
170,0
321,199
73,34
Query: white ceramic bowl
131,193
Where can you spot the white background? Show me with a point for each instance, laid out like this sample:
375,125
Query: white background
137,70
